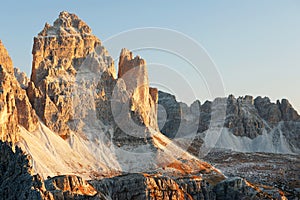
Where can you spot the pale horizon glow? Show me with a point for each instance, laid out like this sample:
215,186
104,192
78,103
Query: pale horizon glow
255,44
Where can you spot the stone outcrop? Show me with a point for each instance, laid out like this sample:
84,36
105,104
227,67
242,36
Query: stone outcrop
134,103
147,186
177,119
62,48
242,118
274,113
73,81
68,65
5,59
16,180
15,108
21,78
239,188
143,100
75,92
150,186
169,114
69,187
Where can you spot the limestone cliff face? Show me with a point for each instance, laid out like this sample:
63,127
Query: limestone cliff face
62,48
69,64
21,78
134,72
151,186
15,108
69,187
5,59
245,117
242,117
73,80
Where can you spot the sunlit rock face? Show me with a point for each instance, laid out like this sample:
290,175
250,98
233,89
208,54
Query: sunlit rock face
15,108
67,60
69,187
134,72
5,59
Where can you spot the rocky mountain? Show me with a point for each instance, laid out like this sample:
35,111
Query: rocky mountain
254,138
15,108
248,125
60,53
78,130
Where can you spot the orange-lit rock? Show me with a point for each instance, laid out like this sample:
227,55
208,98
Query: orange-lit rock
63,53
15,108
133,71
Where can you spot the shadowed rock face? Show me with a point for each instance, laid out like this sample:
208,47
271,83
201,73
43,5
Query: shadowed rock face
242,118
168,124
245,117
16,181
145,186
274,113
15,108
149,186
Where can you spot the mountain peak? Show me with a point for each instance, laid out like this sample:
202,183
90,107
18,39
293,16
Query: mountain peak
5,60
127,62
66,24
60,52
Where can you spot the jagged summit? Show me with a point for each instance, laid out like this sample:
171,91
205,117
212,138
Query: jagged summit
249,125
67,24
133,71
127,61
5,59
61,49
58,64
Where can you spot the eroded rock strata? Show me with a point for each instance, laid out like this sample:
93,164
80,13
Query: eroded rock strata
277,124
15,108
62,55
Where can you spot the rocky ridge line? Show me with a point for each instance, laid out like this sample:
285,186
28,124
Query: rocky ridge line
15,108
245,117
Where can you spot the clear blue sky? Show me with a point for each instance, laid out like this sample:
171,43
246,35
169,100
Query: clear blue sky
255,44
